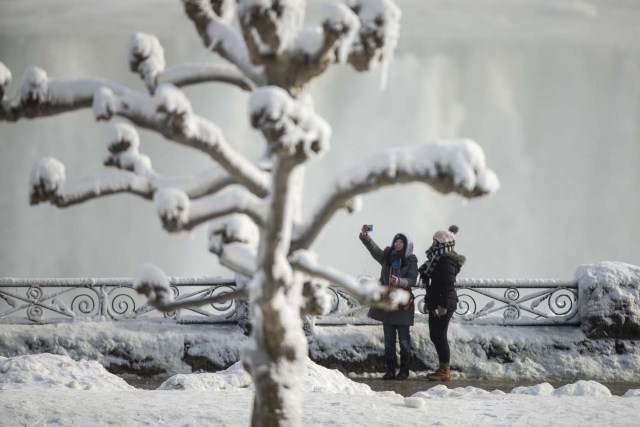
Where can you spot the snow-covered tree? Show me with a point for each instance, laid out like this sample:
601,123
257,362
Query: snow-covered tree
254,207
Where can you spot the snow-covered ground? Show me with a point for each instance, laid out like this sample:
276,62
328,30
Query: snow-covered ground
54,390
72,387
478,351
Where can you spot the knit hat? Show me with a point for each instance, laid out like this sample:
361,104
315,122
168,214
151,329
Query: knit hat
446,236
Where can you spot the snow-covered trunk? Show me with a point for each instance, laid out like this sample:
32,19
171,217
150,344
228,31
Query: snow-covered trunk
278,360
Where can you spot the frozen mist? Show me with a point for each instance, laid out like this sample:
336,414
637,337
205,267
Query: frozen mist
550,89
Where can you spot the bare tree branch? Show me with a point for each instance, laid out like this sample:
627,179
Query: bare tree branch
366,292
40,96
202,73
431,163
178,213
146,57
48,184
199,301
234,240
378,36
221,38
315,48
169,113
268,27
125,154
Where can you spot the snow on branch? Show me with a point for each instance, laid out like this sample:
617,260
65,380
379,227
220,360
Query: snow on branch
169,112
48,181
316,299
315,48
269,26
5,79
379,32
234,239
366,291
201,184
48,184
153,283
146,57
340,24
124,148
290,127
40,96
178,212
221,38
446,165
190,74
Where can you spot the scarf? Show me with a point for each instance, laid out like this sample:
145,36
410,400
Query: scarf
434,254
395,264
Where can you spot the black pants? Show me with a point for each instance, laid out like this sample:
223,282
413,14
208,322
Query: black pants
438,327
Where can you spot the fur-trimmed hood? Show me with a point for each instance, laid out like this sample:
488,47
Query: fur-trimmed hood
460,259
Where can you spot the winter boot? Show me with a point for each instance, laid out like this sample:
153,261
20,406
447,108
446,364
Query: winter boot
391,369
403,373
443,373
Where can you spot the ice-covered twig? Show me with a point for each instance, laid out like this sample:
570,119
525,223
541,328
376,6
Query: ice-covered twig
446,165
221,38
368,292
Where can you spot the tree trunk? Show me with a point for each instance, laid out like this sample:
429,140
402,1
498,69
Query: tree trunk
277,361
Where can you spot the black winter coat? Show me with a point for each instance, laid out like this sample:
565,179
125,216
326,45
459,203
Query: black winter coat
441,289
409,270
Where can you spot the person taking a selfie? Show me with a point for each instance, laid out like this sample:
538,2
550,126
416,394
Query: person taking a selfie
398,269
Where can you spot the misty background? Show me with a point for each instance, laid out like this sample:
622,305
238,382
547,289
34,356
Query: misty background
549,89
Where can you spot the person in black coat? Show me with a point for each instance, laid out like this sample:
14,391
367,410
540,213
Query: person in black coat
399,269
438,274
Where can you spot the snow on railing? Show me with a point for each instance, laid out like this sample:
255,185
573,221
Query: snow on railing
520,302
55,300
481,301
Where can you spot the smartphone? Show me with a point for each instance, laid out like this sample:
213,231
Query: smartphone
370,227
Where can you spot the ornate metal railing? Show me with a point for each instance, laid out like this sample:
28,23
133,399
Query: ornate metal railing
487,301
56,300
481,301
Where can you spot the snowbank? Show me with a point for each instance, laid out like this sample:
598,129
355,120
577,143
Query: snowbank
609,296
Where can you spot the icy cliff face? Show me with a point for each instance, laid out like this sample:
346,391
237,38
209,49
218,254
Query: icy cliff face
550,89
